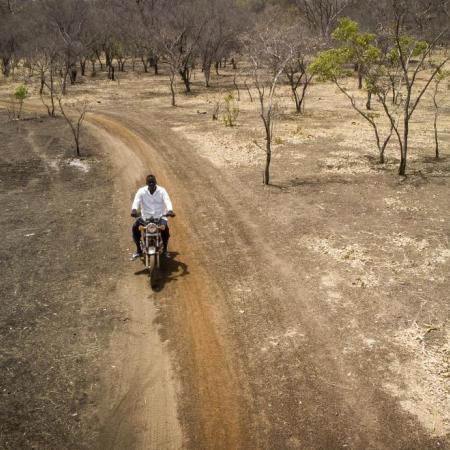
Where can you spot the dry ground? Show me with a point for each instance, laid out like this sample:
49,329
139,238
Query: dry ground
312,313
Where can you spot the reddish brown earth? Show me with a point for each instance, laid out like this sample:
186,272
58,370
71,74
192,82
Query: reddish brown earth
309,314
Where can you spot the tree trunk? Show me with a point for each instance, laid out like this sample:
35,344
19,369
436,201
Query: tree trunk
303,96
29,66
144,63
20,109
94,70
402,167
360,79
73,75
153,62
52,94
268,127
172,90
77,142
435,122
185,76
83,66
248,90
237,88
266,179
41,88
6,69
207,74
64,84
111,73
108,59
436,137
369,101
404,149
298,103
99,59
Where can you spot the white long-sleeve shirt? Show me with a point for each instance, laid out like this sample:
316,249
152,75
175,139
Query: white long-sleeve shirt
152,205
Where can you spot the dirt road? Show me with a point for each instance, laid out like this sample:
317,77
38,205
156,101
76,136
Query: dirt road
247,355
309,314
185,313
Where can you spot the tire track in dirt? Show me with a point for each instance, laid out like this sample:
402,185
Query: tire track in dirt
322,358
271,320
139,407
210,406
211,414
336,410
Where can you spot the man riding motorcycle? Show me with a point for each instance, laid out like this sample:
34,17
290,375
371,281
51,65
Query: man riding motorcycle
153,201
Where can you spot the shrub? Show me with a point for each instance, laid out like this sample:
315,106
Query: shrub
21,93
231,111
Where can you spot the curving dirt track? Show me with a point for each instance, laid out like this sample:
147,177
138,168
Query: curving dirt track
211,391
245,357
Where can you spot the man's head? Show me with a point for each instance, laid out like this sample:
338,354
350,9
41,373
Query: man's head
151,183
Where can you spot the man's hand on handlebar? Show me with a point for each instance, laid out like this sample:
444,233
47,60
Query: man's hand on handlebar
134,213
170,214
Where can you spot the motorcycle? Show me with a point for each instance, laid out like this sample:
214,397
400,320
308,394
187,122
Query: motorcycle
152,246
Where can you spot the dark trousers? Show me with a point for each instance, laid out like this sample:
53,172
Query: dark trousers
165,235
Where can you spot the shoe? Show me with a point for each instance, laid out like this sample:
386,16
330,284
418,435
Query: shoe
135,256
165,254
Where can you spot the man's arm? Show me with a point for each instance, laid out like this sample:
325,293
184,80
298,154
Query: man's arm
167,203
136,204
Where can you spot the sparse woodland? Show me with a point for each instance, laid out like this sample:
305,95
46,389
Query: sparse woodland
396,52
306,147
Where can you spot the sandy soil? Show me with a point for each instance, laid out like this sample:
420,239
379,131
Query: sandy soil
312,313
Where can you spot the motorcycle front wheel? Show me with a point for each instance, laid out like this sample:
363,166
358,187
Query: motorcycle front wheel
152,270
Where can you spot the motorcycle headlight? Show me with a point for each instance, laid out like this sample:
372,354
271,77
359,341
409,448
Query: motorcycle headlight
151,228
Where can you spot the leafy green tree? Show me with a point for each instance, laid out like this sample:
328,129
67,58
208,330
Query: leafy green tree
393,67
21,93
361,51
410,57
330,66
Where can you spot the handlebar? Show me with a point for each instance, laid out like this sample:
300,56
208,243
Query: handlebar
136,216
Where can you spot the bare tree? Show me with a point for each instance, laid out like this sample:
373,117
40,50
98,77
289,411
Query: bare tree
440,77
219,33
299,40
12,31
178,32
322,15
74,119
67,19
269,55
145,32
45,62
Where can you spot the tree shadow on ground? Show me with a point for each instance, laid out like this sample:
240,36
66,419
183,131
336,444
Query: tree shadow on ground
171,269
310,182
